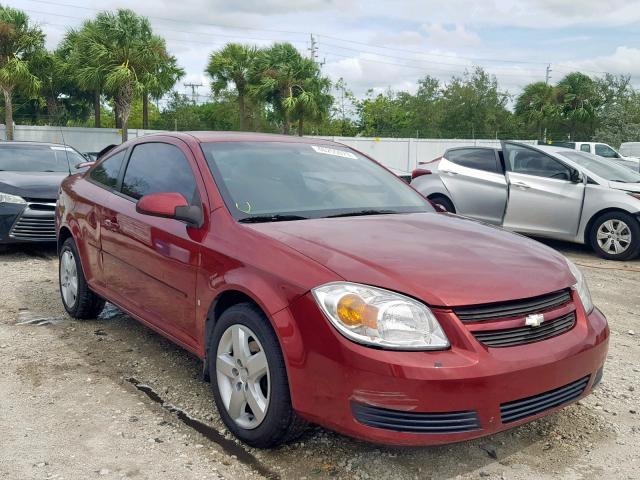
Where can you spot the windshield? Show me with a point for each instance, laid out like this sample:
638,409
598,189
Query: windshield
37,158
607,169
271,181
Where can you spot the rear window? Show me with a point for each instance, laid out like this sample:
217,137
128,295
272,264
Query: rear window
38,158
478,158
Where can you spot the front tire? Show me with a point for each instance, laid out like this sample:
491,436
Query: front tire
78,299
443,202
615,236
249,379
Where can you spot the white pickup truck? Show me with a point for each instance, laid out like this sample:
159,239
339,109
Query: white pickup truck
602,150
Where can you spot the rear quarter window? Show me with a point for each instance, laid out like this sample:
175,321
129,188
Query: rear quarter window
478,158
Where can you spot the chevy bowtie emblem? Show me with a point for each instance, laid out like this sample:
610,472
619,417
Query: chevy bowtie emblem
534,320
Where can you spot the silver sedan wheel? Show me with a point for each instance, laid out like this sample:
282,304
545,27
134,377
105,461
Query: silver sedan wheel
68,278
242,372
614,236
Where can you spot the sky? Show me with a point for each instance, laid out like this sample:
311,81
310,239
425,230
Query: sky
380,44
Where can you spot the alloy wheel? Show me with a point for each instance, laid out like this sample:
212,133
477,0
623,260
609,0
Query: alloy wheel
68,278
614,236
242,371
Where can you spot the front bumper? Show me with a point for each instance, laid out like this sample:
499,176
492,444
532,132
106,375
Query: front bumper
333,379
33,222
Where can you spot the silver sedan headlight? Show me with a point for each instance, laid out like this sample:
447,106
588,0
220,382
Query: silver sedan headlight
581,287
377,317
8,198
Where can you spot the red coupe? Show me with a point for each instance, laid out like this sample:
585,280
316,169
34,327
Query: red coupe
316,286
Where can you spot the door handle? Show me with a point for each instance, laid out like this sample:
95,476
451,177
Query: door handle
521,185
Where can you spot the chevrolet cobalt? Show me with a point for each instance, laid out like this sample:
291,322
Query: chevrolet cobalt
317,286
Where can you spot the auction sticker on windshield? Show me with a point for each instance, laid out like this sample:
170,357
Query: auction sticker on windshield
333,151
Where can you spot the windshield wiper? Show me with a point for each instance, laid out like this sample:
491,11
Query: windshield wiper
360,213
271,218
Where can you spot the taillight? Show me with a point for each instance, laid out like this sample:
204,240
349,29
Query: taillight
418,172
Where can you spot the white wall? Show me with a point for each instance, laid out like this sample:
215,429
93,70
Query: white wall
399,153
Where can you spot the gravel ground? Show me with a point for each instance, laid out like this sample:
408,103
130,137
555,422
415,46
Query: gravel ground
111,399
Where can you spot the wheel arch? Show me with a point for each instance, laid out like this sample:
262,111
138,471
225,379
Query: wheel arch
63,234
435,195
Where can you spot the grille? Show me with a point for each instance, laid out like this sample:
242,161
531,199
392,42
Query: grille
516,308
415,422
509,337
34,228
530,406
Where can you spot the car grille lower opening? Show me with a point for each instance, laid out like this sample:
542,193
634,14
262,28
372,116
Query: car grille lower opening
530,406
415,422
34,228
515,308
510,337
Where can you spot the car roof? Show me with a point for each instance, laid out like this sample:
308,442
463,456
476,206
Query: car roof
225,136
35,144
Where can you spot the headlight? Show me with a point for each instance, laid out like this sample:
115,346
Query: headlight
373,316
8,198
581,287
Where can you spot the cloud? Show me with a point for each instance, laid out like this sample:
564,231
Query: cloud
458,36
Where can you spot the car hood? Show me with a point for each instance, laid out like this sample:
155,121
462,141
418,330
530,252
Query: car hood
628,187
445,260
36,185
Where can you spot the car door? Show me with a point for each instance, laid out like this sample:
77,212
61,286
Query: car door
543,197
151,263
475,179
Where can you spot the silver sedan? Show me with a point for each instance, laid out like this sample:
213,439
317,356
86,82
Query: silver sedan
541,191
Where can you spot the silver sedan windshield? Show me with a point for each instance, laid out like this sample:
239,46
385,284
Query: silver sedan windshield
606,169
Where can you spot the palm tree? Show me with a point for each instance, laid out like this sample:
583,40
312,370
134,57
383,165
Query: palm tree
313,102
232,64
87,79
579,100
279,75
50,68
120,49
18,39
159,79
538,105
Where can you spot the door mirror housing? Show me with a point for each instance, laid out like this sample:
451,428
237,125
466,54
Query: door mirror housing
576,176
170,205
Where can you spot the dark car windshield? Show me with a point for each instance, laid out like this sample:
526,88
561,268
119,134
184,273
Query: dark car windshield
275,181
38,158
607,169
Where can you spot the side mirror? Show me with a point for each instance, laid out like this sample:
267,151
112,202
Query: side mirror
418,172
84,165
170,205
576,176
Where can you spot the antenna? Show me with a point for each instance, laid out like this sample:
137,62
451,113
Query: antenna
66,152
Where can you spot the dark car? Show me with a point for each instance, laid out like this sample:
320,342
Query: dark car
30,177
316,286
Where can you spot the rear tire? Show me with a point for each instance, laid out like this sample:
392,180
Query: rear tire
615,236
444,202
235,386
78,299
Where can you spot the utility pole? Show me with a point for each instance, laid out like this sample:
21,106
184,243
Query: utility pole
313,51
194,90
547,77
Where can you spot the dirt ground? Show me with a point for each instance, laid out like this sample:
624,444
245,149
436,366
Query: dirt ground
111,399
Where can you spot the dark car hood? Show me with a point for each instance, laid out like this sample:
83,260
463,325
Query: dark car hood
36,185
443,259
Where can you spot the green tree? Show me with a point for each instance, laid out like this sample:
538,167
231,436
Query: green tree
18,39
285,79
120,50
538,106
579,104
232,65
